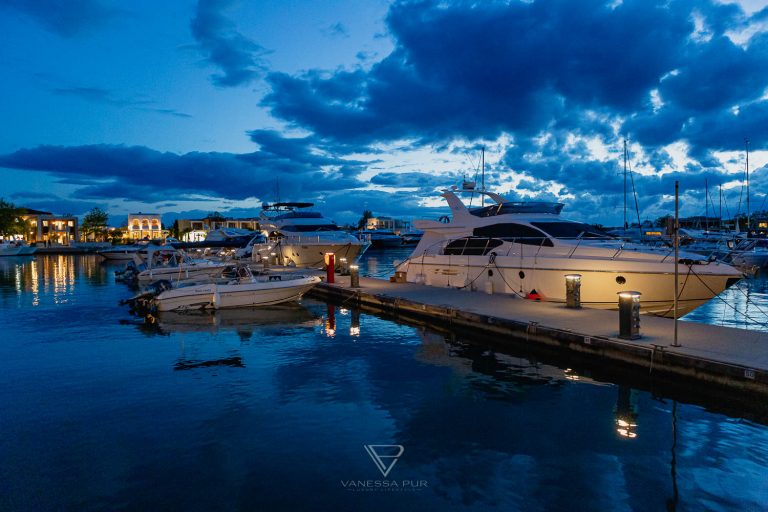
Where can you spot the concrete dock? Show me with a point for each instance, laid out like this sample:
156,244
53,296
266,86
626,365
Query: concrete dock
721,356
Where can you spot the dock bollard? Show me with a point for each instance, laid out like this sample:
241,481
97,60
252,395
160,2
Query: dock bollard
273,258
329,269
264,261
629,315
342,269
573,291
354,276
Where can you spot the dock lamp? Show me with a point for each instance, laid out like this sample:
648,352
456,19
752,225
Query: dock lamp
573,291
629,315
273,258
354,276
342,266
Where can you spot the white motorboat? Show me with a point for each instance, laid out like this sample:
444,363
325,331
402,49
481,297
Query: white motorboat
381,238
526,249
174,264
751,254
120,252
15,248
241,290
301,237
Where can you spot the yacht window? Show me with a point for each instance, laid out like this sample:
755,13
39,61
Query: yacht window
518,233
310,228
472,246
572,230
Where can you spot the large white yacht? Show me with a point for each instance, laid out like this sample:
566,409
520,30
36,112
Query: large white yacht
526,249
301,237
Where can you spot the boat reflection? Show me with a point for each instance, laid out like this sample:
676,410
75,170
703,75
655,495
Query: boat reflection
191,364
244,321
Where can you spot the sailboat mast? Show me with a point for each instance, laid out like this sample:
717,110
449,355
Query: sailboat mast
720,222
482,182
625,185
706,203
746,144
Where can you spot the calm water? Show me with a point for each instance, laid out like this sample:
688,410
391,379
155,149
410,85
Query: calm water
271,409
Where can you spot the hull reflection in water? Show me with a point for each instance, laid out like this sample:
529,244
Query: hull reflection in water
242,320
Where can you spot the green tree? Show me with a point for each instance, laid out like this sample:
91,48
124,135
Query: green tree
367,214
11,222
95,223
116,235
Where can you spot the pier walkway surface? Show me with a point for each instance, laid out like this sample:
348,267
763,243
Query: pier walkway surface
725,356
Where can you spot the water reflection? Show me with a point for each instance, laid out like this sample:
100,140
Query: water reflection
243,321
55,277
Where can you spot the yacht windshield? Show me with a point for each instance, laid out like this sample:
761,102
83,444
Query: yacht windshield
572,230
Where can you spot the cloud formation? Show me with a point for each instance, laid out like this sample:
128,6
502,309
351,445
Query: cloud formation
546,73
142,174
238,58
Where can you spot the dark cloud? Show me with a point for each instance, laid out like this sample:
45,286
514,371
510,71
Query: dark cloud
238,58
657,71
143,174
476,70
67,18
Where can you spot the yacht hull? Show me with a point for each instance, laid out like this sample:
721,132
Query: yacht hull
312,254
601,281
126,255
219,296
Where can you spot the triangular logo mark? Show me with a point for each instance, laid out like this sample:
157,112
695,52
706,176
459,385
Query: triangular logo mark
384,455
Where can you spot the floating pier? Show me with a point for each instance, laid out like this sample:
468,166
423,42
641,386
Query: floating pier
722,356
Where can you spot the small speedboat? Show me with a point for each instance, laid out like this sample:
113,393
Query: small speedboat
241,289
169,263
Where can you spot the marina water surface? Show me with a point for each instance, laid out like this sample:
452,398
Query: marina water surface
320,407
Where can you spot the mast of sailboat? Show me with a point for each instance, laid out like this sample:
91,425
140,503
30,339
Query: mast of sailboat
625,186
706,204
720,221
482,182
746,144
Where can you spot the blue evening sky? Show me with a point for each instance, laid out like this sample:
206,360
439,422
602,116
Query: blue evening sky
186,107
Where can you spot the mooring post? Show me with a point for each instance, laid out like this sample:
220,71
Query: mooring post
629,315
330,267
354,276
573,291
342,266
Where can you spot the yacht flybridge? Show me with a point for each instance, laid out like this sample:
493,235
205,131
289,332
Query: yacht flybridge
301,237
527,249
